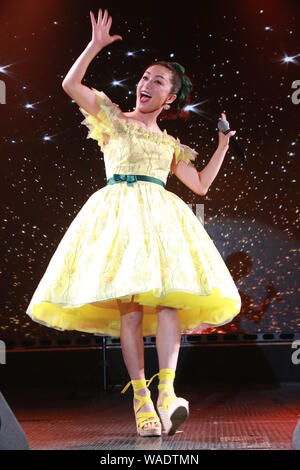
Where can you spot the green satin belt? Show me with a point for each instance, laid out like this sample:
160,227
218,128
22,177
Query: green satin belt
116,178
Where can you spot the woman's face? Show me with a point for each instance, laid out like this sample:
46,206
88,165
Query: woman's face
156,82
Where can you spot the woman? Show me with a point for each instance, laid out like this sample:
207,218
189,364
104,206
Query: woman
136,261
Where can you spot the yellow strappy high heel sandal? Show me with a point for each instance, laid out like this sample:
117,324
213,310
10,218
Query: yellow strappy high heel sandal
142,417
174,410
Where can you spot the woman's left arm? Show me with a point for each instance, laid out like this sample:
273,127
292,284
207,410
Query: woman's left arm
210,171
200,181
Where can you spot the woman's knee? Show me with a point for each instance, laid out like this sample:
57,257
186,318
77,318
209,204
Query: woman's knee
131,313
132,319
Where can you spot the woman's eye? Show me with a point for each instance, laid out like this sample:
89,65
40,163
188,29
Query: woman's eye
156,80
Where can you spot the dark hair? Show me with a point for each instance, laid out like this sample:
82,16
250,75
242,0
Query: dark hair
176,110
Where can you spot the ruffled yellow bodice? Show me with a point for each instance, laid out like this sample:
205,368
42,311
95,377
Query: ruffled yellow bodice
132,149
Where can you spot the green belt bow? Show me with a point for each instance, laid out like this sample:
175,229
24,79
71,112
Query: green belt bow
117,178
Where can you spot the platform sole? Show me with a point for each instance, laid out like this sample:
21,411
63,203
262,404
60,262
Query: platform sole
154,432
174,416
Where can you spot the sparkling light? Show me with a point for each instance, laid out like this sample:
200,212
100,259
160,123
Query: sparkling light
134,53
287,58
193,107
118,82
3,68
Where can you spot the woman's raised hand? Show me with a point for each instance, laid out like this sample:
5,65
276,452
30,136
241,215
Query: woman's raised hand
224,139
100,35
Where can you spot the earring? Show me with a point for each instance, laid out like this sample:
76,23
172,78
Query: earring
167,107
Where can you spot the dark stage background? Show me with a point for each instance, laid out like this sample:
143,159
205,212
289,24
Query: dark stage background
242,58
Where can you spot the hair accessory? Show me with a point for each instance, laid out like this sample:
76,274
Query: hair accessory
185,86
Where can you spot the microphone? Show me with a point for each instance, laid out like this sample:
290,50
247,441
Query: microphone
223,126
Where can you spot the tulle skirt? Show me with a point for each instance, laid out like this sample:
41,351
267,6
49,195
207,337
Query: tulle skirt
140,243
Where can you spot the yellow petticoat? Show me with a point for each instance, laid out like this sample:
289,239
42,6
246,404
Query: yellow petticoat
139,240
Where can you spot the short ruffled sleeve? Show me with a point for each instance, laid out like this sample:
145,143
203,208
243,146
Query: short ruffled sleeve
105,121
184,152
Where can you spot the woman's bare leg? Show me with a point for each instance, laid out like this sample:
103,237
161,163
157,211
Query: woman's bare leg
168,339
131,338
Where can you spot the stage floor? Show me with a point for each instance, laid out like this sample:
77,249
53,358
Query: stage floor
254,416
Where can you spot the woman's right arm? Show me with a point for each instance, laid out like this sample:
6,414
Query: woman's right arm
72,85
81,94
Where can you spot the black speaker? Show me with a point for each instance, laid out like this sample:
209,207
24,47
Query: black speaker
296,437
12,436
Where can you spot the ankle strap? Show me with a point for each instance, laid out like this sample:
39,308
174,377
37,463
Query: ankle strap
137,384
167,375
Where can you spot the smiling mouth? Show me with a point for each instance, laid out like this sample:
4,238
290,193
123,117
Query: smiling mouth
145,97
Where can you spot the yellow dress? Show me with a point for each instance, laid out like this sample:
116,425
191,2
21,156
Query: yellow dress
136,240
